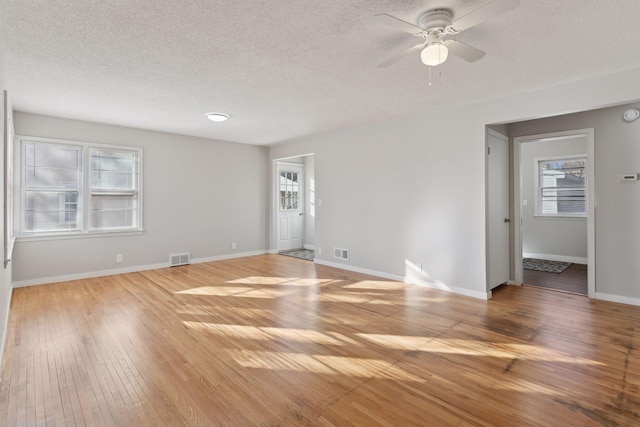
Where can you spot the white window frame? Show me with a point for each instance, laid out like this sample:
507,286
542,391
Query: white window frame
538,188
84,195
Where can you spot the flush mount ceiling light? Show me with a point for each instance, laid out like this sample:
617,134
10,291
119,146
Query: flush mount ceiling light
434,54
217,117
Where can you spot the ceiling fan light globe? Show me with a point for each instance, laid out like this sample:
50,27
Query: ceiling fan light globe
434,54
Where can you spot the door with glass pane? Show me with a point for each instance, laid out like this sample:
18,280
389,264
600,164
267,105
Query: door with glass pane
290,206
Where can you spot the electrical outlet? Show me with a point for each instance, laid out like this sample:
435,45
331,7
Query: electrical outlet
119,258
319,251
233,245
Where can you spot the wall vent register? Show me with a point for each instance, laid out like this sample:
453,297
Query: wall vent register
340,253
179,259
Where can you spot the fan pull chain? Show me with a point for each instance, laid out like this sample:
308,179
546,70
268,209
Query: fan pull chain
439,74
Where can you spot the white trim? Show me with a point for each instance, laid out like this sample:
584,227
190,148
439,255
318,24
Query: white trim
6,327
552,257
135,269
617,298
310,247
591,201
497,135
432,285
87,235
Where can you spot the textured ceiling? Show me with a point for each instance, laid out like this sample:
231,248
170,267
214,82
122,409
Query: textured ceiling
284,69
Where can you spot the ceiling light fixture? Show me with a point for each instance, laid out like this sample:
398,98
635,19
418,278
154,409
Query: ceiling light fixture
434,54
217,117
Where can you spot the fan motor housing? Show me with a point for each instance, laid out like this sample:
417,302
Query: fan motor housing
435,19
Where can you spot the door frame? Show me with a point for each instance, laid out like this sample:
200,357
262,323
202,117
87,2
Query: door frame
591,201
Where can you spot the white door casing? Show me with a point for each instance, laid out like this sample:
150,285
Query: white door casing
497,209
588,133
290,204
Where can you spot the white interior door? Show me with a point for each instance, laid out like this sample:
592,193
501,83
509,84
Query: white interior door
290,206
497,209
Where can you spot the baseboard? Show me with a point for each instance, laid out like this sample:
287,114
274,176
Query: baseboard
135,269
397,278
617,298
552,257
6,326
310,247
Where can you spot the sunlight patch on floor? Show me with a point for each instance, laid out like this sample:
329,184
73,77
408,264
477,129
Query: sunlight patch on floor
512,384
475,348
280,281
377,285
214,290
265,333
321,364
355,298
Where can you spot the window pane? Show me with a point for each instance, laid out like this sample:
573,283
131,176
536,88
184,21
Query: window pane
289,191
562,186
113,219
104,180
51,165
113,170
111,212
47,211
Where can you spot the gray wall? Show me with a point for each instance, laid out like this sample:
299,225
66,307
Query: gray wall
553,237
5,273
411,191
199,196
617,151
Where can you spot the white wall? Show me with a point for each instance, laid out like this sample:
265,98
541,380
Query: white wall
199,196
617,151
309,206
413,189
5,273
552,238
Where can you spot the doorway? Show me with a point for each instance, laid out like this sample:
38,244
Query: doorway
555,228
294,206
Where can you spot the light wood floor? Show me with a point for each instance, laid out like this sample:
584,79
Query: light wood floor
276,341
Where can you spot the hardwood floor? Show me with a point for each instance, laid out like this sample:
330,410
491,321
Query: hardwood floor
573,279
276,341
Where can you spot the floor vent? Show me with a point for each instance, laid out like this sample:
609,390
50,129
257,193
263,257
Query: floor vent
341,253
179,259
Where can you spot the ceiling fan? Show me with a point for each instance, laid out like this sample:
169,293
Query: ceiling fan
435,26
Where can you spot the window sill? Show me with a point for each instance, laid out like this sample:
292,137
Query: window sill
79,235
563,217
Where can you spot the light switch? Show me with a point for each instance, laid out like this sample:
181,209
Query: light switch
524,203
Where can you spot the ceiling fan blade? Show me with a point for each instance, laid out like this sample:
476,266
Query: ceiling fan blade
488,11
401,55
464,51
396,23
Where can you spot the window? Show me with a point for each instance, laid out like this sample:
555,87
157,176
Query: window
289,191
562,187
61,196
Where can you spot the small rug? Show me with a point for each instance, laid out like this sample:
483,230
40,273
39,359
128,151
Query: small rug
544,265
300,253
